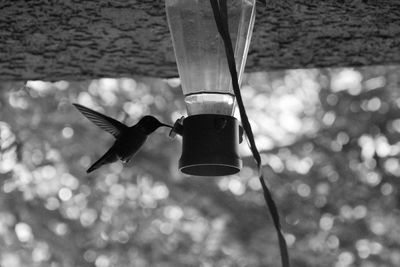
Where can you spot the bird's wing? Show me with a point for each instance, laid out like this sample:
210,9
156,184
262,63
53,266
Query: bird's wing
106,123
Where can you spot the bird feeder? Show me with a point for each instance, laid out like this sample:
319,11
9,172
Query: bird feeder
210,134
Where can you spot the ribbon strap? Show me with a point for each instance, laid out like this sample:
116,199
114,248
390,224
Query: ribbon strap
221,18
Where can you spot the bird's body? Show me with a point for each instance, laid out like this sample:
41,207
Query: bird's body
124,148
128,139
128,144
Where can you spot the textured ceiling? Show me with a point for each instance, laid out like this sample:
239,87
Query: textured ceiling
53,40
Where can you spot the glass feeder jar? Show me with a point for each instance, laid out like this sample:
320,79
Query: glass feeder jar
205,78
200,52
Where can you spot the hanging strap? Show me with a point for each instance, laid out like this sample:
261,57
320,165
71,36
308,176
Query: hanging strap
221,19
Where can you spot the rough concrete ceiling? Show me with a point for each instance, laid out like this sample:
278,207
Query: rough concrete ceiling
71,39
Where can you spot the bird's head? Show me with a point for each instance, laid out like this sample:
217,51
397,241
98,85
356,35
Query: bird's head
149,124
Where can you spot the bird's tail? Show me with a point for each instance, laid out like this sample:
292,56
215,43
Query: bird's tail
108,157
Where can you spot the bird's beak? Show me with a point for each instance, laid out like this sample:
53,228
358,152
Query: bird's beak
166,125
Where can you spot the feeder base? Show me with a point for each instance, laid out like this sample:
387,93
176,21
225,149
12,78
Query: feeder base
210,145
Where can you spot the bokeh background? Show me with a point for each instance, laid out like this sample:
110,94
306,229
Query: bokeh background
330,147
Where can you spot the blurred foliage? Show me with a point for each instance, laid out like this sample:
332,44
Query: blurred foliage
330,148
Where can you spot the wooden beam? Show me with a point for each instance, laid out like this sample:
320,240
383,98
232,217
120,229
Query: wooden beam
75,40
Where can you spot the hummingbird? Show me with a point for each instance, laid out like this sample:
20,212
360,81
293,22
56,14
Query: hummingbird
128,139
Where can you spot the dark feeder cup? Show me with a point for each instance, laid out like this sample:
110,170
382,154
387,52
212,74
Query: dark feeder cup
210,145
